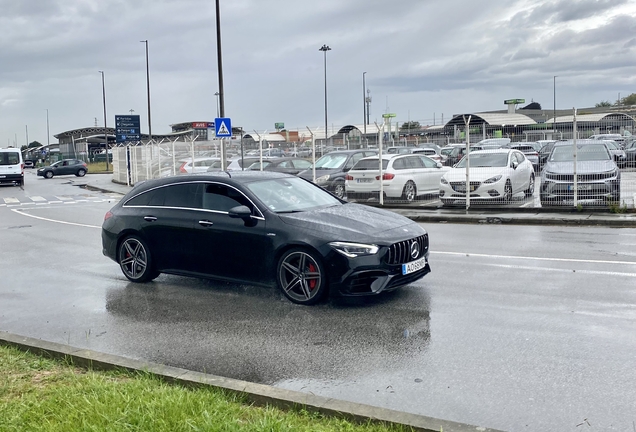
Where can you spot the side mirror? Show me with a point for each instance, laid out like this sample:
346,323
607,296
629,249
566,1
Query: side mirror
515,164
240,212
439,165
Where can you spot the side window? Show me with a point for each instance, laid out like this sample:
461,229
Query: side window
428,163
353,159
140,200
414,162
222,198
399,164
520,157
185,195
301,164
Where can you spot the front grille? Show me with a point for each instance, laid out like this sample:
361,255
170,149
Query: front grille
581,177
461,186
400,252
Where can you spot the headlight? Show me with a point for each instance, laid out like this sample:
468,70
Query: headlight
443,181
494,179
352,250
322,179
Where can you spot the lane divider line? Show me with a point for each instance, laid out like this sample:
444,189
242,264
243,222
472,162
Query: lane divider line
54,221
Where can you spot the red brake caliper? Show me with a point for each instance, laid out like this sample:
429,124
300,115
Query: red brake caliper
312,283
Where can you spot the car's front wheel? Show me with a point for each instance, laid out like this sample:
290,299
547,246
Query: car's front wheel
81,173
48,174
507,193
301,276
530,191
135,260
339,189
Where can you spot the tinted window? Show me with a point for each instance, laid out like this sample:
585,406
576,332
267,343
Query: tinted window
369,164
187,195
414,162
220,197
428,163
583,153
9,158
399,164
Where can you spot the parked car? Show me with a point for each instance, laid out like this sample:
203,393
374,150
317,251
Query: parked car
455,152
544,153
429,152
617,138
289,165
404,176
400,149
243,163
11,166
29,163
332,168
263,228
598,177
530,150
617,153
495,175
199,165
64,167
630,152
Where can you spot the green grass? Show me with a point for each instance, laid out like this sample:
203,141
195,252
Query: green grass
40,394
99,167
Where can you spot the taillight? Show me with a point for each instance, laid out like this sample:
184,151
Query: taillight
84,163
108,215
348,177
386,176
182,168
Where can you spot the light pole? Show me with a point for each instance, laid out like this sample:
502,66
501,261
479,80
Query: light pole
48,143
148,91
217,104
324,49
364,104
104,101
221,97
554,106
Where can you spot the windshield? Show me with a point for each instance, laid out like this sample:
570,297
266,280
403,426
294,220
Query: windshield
292,194
447,151
584,152
485,160
331,161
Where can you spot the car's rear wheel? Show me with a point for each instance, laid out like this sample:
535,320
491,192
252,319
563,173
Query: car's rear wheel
301,276
530,191
409,192
81,173
48,174
135,260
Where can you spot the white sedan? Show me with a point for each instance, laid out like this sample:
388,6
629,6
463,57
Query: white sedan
404,176
494,175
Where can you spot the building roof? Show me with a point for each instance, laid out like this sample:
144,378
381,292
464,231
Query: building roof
596,117
492,119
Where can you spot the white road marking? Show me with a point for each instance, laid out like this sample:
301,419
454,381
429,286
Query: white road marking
536,258
11,200
64,198
594,272
55,221
38,198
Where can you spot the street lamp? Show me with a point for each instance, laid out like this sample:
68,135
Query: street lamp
217,103
48,143
554,106
324,49
104,101
364,104
148,91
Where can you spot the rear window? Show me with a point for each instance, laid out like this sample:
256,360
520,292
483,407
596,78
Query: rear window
9,158
369,164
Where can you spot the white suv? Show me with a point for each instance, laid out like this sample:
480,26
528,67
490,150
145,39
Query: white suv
11,166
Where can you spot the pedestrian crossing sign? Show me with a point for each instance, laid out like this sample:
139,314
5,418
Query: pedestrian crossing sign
223,127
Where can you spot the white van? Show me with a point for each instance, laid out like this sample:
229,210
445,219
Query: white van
11,166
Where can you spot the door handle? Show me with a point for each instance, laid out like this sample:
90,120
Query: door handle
205,223
150,218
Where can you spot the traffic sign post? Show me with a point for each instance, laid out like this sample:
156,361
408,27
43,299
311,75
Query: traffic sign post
223,129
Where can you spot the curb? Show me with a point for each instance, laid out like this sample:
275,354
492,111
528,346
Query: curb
258,394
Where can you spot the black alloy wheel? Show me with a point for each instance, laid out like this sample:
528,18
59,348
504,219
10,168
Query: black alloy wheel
135,260
48,174
301,276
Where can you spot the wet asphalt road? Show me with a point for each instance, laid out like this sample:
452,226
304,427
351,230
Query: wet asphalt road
516,328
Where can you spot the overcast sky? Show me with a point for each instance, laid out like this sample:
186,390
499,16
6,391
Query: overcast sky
423,59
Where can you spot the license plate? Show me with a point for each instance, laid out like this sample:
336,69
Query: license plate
1,176
413,266
363,180
580,187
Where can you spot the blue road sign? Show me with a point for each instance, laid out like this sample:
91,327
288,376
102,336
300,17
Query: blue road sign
223,127
127,128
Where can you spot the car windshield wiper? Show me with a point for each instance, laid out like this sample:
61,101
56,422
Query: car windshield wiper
290,211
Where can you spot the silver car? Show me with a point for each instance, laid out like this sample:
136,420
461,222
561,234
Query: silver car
597,176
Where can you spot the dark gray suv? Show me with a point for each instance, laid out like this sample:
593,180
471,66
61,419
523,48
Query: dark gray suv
597,176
